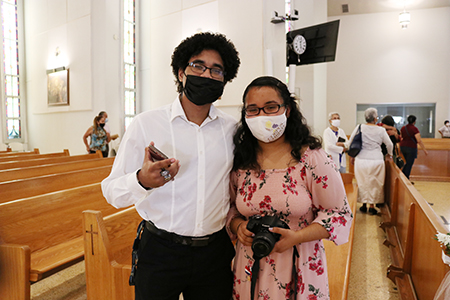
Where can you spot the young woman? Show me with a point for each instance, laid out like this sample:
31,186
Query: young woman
280,170
99,137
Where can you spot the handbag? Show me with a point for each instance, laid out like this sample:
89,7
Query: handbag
356,144
398,159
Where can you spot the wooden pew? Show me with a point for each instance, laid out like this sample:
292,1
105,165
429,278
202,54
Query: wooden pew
108,245
339,257
29,187
410,224
33,171
436,165
9,153
42,235
46,161
108,249
19,157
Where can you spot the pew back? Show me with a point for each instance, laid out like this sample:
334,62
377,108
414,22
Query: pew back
436,165
24,188
44,161
9,153
19,157
410,225
33,171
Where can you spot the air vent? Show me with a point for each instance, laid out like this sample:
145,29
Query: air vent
345,8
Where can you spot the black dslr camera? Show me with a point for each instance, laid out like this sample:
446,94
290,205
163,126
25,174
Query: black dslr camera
264,240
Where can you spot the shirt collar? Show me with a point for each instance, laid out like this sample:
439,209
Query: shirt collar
178,111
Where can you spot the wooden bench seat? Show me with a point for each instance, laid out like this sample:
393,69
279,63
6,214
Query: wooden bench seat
108,241
44,234
19,157
29,187
45,161
33,171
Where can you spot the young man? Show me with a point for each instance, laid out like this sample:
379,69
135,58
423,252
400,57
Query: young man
184,200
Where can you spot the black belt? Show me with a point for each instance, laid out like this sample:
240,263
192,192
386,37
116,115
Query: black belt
200,241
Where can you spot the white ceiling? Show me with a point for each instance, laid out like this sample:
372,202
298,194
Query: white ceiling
376,6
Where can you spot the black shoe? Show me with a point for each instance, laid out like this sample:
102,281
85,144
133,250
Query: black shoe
363,208
373,211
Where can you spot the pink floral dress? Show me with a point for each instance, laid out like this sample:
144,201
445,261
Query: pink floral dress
309,192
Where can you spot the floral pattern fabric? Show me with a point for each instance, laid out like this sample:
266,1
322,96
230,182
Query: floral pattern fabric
98,140
312,191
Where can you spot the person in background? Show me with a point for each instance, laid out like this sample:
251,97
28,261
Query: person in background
408,145
114,136
184,247
388,123
445,130
280,170
335,141
99,137
369,163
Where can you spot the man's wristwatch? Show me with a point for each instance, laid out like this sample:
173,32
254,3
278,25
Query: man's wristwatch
137,177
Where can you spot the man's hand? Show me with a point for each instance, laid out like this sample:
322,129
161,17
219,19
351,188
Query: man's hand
150,175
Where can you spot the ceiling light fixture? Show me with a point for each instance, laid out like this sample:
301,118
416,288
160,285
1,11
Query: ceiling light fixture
404,18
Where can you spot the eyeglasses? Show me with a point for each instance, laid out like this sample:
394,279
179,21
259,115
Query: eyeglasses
269,109
216,73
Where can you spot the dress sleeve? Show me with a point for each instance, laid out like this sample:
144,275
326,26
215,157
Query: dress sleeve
233,212
329,199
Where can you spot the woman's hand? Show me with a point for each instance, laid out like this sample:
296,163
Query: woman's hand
244,235
288,239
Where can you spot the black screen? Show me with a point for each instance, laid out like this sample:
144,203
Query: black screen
321,41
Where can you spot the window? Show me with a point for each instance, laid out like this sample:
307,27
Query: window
129,58
424,112
12,114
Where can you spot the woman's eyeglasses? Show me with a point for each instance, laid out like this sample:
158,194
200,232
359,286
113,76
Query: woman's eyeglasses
269,109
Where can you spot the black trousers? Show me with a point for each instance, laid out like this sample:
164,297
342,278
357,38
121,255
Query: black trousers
166,269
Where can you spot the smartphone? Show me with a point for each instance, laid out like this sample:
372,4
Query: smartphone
156,154
341,140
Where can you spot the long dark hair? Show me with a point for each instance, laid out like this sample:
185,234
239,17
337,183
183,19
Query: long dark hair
297,132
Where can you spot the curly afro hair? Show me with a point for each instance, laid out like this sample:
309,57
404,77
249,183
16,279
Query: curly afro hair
195,44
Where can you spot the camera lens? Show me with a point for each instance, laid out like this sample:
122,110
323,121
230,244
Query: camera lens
263,244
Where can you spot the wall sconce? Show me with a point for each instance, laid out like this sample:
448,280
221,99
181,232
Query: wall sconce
404,18
49,71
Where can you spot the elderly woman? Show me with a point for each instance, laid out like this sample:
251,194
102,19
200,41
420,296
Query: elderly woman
369,163
334,141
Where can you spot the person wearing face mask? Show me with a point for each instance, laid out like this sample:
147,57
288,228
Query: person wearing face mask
113,136
445,130
99,137
183,244
335,141
279,170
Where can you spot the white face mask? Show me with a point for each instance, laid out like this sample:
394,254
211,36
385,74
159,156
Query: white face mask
336,123
267,128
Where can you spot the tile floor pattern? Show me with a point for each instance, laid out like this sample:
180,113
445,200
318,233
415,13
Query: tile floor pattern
370,257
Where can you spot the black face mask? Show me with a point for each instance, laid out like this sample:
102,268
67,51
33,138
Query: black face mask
202,90
102,125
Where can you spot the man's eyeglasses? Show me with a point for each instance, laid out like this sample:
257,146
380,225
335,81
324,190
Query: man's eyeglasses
269,109
198,69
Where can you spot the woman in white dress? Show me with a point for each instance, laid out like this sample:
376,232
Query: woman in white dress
335,141
369,163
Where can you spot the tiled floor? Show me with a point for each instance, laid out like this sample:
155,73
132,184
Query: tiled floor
370,257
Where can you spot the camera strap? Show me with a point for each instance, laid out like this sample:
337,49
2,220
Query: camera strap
134,255
255,273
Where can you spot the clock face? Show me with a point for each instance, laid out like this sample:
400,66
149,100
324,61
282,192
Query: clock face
299,44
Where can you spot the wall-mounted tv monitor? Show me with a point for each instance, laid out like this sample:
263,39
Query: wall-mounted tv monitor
321,41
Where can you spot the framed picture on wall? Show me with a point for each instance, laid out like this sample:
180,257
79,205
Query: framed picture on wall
58,87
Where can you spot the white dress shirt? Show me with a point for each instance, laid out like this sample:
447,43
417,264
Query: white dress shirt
329,144
445,131
196,202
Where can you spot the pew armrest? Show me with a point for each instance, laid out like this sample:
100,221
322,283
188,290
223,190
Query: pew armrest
14,272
